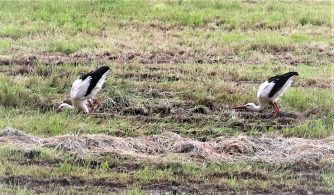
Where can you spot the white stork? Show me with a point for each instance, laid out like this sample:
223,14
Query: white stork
85,89
270,91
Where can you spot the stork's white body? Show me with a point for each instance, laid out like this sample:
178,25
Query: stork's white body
266,87
80,87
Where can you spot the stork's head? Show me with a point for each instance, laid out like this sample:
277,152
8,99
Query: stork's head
248,107
63,107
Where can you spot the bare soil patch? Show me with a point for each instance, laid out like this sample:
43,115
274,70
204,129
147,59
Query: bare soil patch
83,185
291,55
46,185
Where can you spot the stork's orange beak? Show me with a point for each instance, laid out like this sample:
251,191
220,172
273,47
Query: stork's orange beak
58,110
239,107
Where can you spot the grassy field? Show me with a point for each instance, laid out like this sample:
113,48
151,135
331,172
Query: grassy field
177,66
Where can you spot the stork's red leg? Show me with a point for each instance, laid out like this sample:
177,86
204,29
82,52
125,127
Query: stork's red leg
98,105
95,101
278,110
90,104
275,107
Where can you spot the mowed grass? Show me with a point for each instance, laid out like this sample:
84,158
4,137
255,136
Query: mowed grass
29,100
175,66
75,26
211,53
92,174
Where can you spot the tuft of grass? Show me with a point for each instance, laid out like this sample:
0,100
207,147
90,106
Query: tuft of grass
311,19
316,128
314,98
133,191
70,46
15,32
5,44
148,175
328,178
15,95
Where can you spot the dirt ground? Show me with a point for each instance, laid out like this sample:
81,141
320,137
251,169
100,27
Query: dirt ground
277,55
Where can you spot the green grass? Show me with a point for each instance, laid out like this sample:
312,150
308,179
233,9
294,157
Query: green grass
54,26
328,178
316,128
230,175
80,14
186,63
56,124
36,91
51,164
133,191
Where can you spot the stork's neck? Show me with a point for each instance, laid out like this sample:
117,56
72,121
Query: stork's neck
65,106
255,108
69,106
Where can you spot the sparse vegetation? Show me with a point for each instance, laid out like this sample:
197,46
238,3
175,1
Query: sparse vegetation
177,66
328,177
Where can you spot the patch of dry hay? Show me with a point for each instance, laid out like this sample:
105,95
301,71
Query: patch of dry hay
294,151
14,136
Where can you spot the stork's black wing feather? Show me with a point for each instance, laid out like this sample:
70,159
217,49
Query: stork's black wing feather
279,81
95,77
271,79
83,77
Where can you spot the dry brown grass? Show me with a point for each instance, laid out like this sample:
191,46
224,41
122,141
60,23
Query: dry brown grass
297,152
